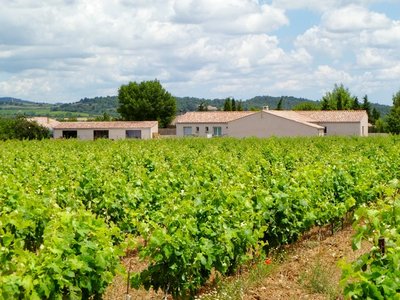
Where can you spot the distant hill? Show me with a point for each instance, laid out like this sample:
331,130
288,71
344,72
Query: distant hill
92,107
185,104
14,101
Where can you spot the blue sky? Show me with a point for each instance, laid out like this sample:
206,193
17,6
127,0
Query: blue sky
65,50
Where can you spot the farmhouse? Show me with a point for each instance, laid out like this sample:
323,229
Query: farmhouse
45,122
267,123
106,130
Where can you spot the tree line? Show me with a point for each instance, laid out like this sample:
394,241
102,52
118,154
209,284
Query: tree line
148,100
21,128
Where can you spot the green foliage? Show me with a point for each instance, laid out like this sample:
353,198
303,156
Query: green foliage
393,118
339,99
279,106
306,106
376,274
375,115
202,107
96,106
380,126
319,278
49,253
367,107
146,101
20,128
228,104
105,117
65,206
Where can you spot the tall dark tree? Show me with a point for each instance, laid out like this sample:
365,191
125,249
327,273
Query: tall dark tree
324,103
339,105
239,106
202,106
233,104
280,104
393,118
228,104
367,107
356,104
146,101
375,115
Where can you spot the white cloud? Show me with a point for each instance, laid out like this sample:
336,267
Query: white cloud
64,50
320,6
372,57
353,18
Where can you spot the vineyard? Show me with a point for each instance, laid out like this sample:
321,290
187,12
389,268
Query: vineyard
70,210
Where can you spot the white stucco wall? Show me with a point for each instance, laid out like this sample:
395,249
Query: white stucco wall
258,125
264,124
357,129
113,134
202,129
57,133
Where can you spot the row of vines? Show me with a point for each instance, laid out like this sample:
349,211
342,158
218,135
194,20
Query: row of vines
376,274
69,210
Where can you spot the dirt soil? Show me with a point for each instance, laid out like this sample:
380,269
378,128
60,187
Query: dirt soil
319,251
318,255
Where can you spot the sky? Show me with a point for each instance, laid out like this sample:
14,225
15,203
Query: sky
65,50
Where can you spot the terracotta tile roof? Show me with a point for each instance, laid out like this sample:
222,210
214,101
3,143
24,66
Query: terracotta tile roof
333,116
106,125
212,116
45,121
293,116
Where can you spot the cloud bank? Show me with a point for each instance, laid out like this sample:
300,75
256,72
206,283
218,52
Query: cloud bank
64,50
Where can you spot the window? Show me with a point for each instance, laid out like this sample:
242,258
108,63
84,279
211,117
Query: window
100,134
207,129
217,131
187,131
70,134
197,129
133,134
325,130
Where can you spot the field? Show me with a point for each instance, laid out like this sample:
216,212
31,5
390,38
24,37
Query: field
188,208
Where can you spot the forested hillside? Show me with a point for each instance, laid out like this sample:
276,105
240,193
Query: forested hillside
92,107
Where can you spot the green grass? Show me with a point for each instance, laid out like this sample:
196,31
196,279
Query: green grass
234,288
319,279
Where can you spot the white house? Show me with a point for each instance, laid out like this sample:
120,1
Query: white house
47,122
339,122
109,130
267,123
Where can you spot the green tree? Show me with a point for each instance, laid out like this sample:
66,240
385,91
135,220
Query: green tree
375,115
239,106
393,118
146,101
280,104
380,125
233,104
104,117
356,104
339,99
324,103
367,107
228,104
202,106
22,129
306,106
